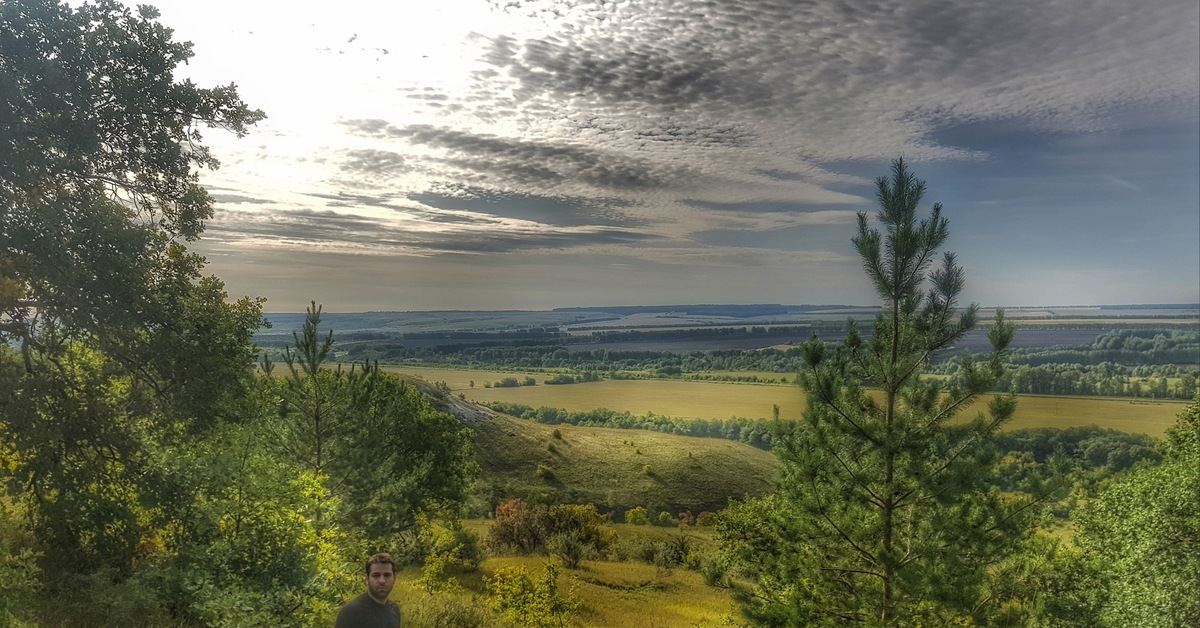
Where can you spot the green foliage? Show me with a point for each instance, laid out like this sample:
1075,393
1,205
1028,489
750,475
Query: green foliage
448,547
637,516
760,433
375,441
526,601
569,531
665,519
882,514
19,585
1047,584
1144,528
124,350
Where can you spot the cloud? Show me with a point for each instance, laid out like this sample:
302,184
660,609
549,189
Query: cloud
372,162
519,163
723,132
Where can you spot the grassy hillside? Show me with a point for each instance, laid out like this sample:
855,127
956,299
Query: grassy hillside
614,469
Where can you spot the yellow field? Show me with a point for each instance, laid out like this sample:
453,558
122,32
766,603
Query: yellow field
722,400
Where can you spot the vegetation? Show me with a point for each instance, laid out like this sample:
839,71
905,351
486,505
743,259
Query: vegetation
604,466
1143,533
153,476
882,514
758,433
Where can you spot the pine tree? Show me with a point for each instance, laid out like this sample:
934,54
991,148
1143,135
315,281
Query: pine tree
881,515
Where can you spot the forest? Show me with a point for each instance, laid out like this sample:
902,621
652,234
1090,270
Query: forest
160,469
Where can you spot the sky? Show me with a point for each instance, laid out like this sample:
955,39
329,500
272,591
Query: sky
512,154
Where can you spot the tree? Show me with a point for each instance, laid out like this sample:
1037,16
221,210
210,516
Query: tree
316,413
123,349
375,442
880,515
1144,528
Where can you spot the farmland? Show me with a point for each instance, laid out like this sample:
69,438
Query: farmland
722,400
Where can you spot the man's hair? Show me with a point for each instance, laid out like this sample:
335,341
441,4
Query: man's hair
380,559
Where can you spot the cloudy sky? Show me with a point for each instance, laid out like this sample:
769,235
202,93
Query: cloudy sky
514,154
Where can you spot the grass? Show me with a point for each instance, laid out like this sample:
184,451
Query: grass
722,400
628,594
607,467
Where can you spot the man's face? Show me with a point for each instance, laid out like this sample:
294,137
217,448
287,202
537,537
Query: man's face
380,580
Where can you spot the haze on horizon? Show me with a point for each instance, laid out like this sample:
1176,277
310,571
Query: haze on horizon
512,154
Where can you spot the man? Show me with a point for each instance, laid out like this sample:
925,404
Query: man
373,609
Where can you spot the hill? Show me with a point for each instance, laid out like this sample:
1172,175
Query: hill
612,468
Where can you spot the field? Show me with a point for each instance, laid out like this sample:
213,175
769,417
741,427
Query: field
722,400
629,594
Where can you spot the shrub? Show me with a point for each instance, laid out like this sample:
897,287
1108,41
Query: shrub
544,472
636,516
706,519
514,528
685,518
646,470
524,601
665,519
570,547
448,545
551,448
525,530
557,434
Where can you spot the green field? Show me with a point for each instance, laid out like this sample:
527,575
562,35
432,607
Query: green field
628,594
722,400
616,469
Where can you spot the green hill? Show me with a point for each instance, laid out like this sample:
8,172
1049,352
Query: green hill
612,468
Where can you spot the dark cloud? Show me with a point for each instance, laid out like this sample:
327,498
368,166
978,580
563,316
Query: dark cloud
329,230
758,206
556,211
375,163
238,198
527,163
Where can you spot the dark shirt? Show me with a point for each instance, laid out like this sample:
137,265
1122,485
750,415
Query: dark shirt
365,612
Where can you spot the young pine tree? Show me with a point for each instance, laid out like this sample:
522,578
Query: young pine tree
881,515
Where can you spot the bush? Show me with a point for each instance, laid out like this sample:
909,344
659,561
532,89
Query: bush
571,547
636,516
514,528
665,519
544,472
525,530
706,519
448,546
524,601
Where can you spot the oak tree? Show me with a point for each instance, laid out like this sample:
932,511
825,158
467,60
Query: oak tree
121,347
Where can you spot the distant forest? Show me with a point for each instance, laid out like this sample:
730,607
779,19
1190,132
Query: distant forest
1146,362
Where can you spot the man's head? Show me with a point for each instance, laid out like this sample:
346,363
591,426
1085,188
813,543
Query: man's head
381,577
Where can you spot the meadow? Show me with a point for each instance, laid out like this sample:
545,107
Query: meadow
722,400
625,594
